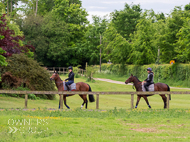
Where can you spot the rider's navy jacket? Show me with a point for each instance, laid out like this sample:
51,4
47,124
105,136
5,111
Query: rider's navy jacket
150,78
71,76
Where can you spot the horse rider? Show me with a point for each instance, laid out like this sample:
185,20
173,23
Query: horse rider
149,79
70,77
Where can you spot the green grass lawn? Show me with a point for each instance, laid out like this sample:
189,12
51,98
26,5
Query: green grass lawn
95,126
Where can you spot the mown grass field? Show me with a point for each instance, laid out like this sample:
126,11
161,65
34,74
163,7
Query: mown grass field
115,121
95,126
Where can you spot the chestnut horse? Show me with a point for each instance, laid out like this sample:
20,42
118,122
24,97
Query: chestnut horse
157,87
80,86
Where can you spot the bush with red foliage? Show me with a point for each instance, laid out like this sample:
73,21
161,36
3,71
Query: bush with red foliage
10,42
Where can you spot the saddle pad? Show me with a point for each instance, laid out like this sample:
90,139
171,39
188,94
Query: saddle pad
150,88
71,87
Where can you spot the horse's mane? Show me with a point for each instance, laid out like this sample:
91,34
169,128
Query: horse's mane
137,79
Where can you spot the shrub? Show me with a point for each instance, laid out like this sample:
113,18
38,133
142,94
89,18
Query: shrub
27,71
90,70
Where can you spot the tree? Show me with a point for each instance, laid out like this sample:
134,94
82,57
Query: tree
143,51
74,15
182,46
45,6
11,43
93,35
169,37
187,7
125,20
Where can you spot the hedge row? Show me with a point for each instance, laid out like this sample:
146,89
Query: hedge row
176,74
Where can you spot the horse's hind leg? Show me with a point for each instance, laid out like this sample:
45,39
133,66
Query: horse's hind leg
145,98
64,98
164,98
85,100
138,99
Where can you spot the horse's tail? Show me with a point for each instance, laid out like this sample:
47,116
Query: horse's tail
169,90
91,97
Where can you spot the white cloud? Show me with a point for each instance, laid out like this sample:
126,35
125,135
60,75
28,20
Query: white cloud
96,7
97,13
113,2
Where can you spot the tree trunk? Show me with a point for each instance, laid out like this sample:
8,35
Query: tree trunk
7,7
15,8
11,6
16,4
36,7
33,5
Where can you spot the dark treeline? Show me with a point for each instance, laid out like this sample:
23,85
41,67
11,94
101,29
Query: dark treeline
62,35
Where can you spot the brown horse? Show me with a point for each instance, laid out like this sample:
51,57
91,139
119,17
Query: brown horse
157,87
80,86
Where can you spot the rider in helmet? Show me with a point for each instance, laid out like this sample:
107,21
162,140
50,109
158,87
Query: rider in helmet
70,77
149,79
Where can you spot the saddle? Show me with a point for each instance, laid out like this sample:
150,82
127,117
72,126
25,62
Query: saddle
72,87
150,87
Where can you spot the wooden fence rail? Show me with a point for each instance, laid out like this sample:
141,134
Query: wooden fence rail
64,70
93,93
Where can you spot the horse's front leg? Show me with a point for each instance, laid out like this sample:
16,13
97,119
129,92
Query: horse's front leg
64,98
138,99
145,98
164,98
59,101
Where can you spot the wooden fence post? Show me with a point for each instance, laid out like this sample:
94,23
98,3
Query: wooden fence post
97,101
61,101
26,100
132,101
53,69
168,100
59,69
82,72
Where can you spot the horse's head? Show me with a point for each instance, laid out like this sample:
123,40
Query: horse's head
54,76
130,79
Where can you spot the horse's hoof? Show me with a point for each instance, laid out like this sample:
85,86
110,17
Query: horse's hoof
81,106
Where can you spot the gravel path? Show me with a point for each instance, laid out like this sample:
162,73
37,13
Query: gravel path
120,82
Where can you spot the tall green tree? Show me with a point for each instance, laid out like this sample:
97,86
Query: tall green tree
125,20
45,6
93,37
169,35
182,46
115,47
143,51
74,15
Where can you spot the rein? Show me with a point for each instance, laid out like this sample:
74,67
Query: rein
59,82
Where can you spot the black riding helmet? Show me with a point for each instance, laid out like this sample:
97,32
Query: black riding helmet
70,67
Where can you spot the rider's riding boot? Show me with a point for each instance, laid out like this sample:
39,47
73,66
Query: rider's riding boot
146,87
67,87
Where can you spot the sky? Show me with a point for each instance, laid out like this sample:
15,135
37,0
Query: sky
103,7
